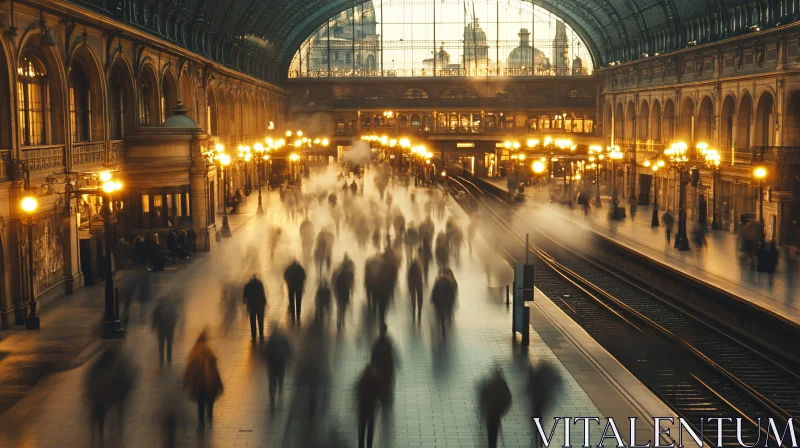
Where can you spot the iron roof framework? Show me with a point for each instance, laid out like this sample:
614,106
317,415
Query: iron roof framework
260,37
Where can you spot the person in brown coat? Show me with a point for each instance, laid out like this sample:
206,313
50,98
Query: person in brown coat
367,395
495,403
202,379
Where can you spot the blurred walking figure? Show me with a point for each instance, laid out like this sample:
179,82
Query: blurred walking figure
202,379
343,279
668,221
256,300
367,396
164,320
323,250
277,353
699,234
384,359
108,383
543,383
443,297
313,371
323,300
472,230
295,277
229,306
275,235
495,403
307,237
415,288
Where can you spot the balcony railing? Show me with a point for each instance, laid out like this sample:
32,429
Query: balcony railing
777,154
440,72
477,103
87,154
41,159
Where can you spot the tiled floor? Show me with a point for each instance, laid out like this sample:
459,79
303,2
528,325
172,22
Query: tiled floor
436,390
718,263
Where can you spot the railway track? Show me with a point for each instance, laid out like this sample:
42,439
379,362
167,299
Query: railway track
698,368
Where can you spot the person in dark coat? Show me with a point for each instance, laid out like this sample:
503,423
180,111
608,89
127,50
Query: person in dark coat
139,250
295,277
122,254
353,188
164,320
256,300
172,244
415,288
108,382
383,360
495,403
202,379
277,354
367,395
323,300
343,279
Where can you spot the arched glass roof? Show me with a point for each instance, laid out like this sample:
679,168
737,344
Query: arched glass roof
260,37
402,38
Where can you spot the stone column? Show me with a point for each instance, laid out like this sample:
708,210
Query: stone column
73,275
198,194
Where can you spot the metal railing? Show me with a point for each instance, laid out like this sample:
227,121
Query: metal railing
548,100
41,159
439,73
115,151
88,153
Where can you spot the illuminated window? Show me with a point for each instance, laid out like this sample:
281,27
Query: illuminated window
80,104
145,89
31,93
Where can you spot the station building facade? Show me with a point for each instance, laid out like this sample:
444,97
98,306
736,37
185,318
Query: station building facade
79,95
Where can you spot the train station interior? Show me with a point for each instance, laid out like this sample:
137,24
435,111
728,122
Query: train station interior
514,223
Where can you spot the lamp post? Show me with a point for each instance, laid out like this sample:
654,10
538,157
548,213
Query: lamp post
760,174
678,160
597,149
614,154
29,205
112,327
224,160
712,159
655,166
260,157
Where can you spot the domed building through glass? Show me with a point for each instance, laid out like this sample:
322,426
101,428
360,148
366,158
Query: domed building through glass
392,38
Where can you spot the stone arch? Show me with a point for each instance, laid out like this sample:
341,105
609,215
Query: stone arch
147,96
121,98
168,94
619,122
189,96
705,120
744,121
54,107
630,121
607,118
643,127
668,121
6,101
764,133
687,120
655,121
212,111
791,124
85,68
233,114
221,96
727,120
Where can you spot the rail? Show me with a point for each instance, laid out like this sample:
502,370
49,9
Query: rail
41,159
88,154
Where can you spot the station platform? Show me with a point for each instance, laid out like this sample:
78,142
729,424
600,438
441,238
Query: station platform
436,397
718,264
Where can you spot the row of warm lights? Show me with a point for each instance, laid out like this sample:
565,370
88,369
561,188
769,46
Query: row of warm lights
532,143
422,152
29,204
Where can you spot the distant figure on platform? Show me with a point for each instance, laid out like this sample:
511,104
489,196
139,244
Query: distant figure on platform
202,379
384,360
295,277
164,320
668,221
277,354
343,280
255,297
415,288
495,403
367,396
543,384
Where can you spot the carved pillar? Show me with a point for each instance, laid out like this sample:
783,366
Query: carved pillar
199,198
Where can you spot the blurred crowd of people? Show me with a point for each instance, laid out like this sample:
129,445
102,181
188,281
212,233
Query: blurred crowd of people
380,228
